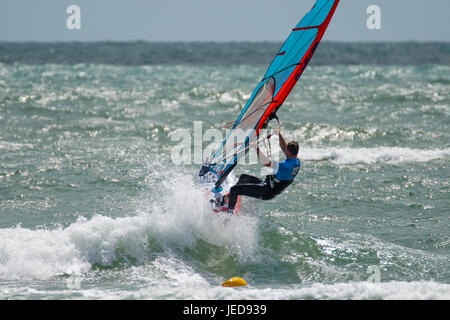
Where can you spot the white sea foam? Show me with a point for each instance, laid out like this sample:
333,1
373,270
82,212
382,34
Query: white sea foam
199,289
37,254
388,155
177,221
14,146
196,288
394,290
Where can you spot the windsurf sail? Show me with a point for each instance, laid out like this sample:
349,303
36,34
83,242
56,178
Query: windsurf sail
281,76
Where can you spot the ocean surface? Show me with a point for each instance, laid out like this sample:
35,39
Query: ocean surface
92,205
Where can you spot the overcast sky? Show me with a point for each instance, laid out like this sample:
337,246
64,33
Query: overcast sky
217,20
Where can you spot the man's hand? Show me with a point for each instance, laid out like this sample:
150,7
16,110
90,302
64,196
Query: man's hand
283,144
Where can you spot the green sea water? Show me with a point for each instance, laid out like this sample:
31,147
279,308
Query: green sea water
92,205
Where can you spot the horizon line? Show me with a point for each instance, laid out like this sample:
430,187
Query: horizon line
218,42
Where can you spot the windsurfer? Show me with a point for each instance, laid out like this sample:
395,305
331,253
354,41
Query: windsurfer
283,175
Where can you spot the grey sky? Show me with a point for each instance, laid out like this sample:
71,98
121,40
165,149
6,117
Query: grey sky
217,20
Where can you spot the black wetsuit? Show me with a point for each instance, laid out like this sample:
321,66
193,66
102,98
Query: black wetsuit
265,190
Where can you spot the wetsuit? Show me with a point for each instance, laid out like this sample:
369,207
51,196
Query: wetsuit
284,174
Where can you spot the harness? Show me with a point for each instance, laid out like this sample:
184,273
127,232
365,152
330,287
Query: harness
276,183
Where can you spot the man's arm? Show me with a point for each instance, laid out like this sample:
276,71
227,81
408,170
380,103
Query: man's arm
283,144
265,161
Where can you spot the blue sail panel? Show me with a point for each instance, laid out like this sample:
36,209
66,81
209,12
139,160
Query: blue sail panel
292,51
298,43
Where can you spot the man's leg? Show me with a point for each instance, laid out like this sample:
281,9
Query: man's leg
245,178
249,190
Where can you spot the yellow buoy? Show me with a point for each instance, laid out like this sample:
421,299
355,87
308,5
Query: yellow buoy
234,282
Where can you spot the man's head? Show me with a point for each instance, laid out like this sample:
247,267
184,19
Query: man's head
293,148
